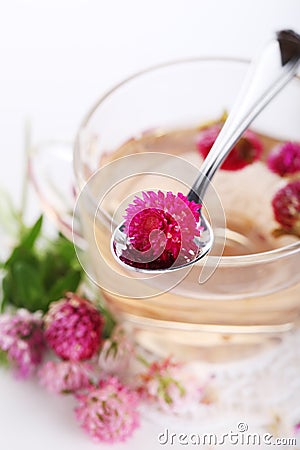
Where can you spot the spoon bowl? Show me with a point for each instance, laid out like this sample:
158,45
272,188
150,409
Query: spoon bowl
119,243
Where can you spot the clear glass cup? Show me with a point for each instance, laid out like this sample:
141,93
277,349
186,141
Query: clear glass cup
253,296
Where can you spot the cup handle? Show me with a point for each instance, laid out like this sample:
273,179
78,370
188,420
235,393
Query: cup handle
50,169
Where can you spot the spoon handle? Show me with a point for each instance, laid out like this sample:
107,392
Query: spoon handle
273,69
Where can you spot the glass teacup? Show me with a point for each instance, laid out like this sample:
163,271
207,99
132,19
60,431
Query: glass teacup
142,135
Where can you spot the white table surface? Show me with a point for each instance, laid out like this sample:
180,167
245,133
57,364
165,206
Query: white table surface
56,58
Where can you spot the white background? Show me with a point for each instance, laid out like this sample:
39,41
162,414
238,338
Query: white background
56,58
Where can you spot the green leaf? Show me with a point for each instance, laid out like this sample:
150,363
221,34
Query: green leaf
3,304
29,238
3,359
27,289
68,282
7,288
59,259
64,249
34,276
21,253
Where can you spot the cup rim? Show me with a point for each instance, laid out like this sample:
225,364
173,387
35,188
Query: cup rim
248,259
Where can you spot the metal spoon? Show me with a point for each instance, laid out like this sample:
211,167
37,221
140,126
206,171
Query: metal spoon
268,74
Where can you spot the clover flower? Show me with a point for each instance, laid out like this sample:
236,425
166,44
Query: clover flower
247,150
116,352
63,377
108,412
161,230
286,208
164,384
285,159
73,328
21,337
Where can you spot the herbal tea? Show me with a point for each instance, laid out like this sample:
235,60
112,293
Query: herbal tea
199,311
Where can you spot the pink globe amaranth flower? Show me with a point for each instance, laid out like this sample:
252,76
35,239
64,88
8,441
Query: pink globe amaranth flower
285,159
64,377
73,328
164,384
116,353
247,150
108,412
21,336
161,229
286,208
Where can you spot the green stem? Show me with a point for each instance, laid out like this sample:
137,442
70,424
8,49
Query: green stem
142,360
25,182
